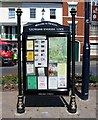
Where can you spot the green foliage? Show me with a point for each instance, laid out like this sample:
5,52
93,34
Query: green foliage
94,79
9,79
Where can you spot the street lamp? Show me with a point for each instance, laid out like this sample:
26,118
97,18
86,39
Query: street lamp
72,108
43,11
20,103
86,55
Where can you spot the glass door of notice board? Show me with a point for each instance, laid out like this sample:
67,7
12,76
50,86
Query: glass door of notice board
45,64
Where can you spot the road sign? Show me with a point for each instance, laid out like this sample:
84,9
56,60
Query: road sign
95,13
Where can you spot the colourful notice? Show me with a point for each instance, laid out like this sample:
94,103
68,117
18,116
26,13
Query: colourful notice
29,45
30,55
32,84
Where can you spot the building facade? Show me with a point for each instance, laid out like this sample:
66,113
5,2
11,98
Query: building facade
52,10
33,11
79,29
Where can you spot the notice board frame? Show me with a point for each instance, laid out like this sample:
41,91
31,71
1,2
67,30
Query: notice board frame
47,29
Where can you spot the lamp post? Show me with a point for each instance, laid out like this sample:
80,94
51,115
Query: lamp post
43,11
20,103
72,108
86,56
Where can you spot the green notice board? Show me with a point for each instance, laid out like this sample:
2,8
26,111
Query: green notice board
32,84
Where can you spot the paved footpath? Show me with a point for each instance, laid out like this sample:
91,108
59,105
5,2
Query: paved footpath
85,109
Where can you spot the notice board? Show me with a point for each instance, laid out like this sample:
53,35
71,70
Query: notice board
45,63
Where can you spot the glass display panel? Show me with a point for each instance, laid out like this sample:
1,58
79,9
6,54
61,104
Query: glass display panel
57,69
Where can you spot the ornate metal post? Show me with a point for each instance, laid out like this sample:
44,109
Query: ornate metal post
72,108
86,56
20,103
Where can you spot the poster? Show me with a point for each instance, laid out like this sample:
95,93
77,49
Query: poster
52,84
29,44
57,49
42,82
30,68
62,82
32,83
40,51
62,75
62,69
30,55
41,71
52,71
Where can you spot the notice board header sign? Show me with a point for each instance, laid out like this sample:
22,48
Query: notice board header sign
45,27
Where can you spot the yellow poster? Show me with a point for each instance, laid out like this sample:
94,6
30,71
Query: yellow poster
30,55
62,69
29,45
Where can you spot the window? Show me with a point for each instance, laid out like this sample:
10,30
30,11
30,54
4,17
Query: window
70,26
94,3
11,12
32,13
94,30
70,6
52,13
94,49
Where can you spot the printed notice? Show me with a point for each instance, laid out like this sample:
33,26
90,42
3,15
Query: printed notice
40,52
30,55
29,45
52,71
62,75
62,69
41,72
42,82
30,68
62,83
32,84
52,83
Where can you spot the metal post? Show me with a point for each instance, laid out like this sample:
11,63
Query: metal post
20,104
72,105
86,56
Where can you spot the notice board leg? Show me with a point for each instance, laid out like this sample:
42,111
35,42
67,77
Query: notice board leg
72,108
20,102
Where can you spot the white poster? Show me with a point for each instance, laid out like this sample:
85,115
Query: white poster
42,82
52,83
41,72
40,51
30,68
62,82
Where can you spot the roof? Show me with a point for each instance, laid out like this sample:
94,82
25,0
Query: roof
48,1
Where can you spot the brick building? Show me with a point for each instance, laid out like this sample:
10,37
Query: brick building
79,29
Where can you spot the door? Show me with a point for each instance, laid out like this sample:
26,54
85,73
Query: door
76,51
